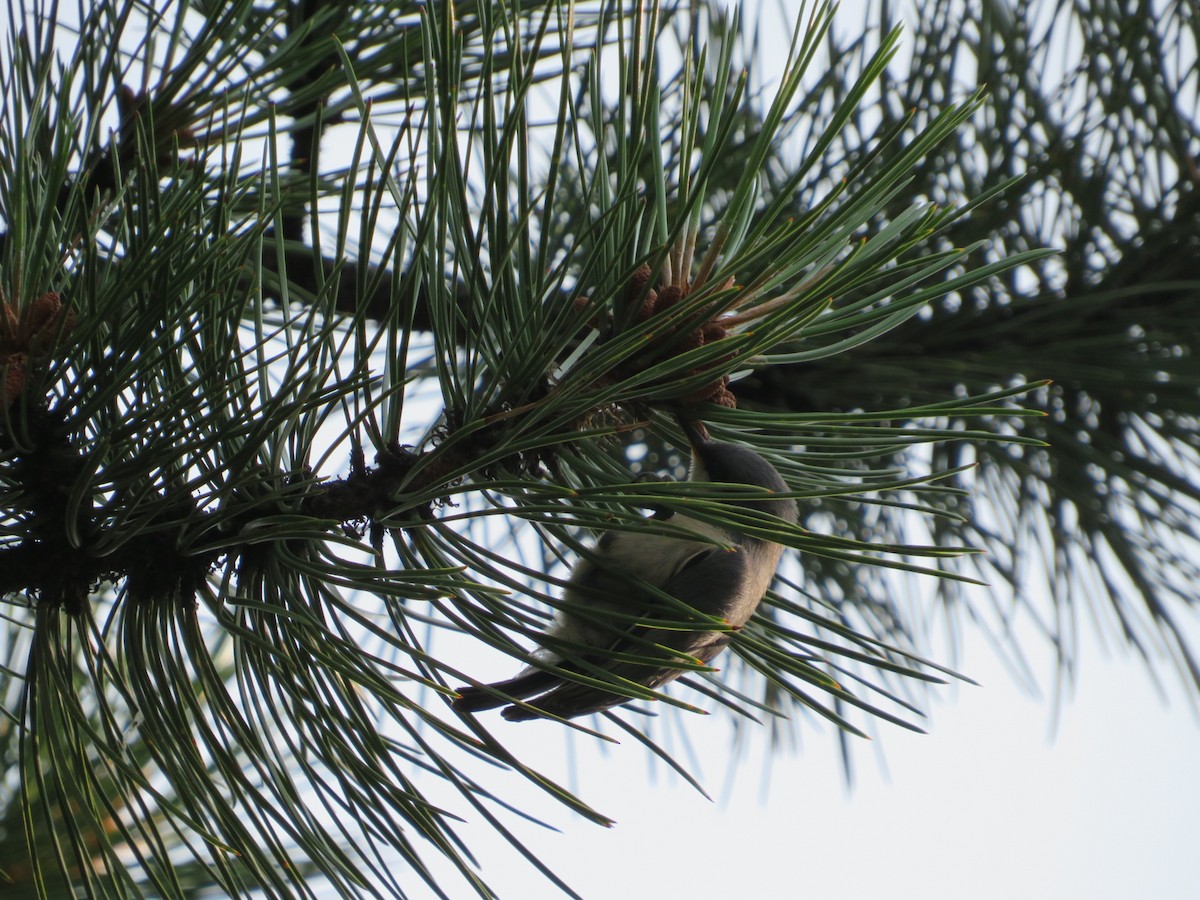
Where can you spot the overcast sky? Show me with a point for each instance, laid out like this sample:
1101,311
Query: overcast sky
1002,799
988,806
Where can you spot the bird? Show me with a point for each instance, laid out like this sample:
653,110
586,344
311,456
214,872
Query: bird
601,599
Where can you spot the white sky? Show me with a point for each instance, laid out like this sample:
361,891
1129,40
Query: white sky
999,801
987,806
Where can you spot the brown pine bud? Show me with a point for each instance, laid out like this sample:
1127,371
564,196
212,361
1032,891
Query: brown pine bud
691,341
14,378
668,297
725,396
638,281
42,311
47,322
9,323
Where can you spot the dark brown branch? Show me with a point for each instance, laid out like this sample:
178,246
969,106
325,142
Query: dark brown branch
54,570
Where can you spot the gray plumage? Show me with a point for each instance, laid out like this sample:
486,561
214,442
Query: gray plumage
713,581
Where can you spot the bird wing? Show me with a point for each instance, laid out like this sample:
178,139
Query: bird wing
717,573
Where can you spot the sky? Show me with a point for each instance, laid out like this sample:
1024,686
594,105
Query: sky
1009,795
1001,799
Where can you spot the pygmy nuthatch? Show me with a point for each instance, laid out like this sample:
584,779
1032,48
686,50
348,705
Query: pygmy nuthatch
711,580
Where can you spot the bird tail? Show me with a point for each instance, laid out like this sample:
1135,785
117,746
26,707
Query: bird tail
476,698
